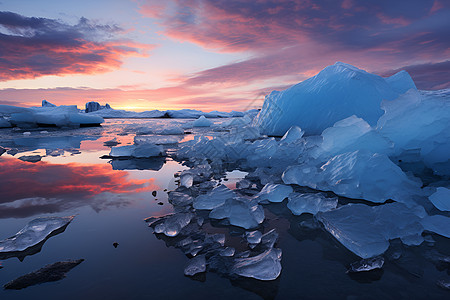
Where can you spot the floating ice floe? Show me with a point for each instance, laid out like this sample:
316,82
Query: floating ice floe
215,198
274,192
441,199
438,224
367,264
137,151
35,232
239,211
195,265
366,230
310,203
265,266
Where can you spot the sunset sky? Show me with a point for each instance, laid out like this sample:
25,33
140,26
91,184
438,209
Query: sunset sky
205,54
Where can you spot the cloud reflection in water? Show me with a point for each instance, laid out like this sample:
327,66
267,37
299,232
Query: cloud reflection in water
28,189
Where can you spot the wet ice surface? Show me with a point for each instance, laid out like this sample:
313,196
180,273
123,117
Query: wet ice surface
220,235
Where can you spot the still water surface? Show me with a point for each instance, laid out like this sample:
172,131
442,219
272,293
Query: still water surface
110,201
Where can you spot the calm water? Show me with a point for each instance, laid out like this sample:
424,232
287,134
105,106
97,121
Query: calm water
110,201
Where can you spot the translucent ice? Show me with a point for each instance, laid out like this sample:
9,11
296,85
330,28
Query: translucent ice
35,232
420,121
171,225
213,199
359,175
239,212
337,92
274,192
437,224
367,264
195,265
310,203
180,199
292,135
186,180
265,266
138,151
253,237
366,230
441,199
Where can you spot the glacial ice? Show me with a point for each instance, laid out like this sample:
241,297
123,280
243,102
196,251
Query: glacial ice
186,179
59,116
171,225
202,122
214,198
419,121
265,266
441,199
367,264
310,203
337,92
366,230
438,224
195,265
138,151
4,123
239,212
35,232
358,175
274,192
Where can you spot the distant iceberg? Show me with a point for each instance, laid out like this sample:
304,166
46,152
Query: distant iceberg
48,115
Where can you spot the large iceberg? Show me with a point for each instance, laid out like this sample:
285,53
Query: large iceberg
337,92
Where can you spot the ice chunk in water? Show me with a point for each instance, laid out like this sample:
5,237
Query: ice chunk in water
195,265
253,237
294,134
366,264
366,230
139,151
202,122
171,225
441,199
265,266
358,175
310,203
180,199
228,251
240,212
186,179
2,150
274,192
437,224
213,199
35,232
